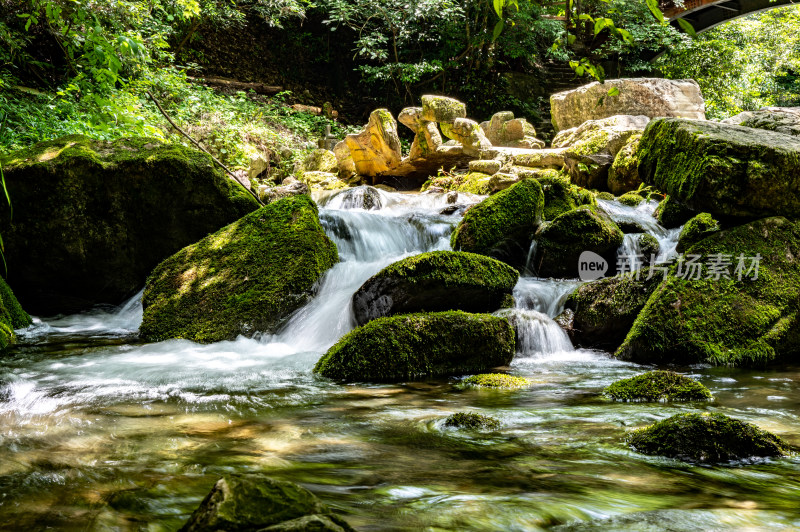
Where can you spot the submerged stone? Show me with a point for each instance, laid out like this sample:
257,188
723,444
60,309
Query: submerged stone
710,438
247,277
414,346
435,281
471,420
497,380
658,386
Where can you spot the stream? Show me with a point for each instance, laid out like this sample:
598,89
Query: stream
102,432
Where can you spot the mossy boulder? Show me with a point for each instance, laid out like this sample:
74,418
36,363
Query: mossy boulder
442,109
435,281
257,502
623,176
721,312
671,214
561,242
561,196
247,277
502,226
93,218
721,169
607,196
658,386
648,247
709,438
496,380
414,346
11,315
471,420
696,230
631,199
603,311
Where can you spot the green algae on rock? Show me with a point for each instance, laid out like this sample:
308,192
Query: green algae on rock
740,320
496,380
710,438
247,277
696,230
11,315
672,214
502,225
722,169
414,346
255,502
658,386
435,281
93,218
471,420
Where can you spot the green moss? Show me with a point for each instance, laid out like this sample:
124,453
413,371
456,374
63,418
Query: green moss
442,109
726,321
631,199
471,420
591,142
453,269
696,230
247,277
561,196
623,176
608,196
413,346
706,437
658,386
671,214
497,380
502,225
16,317
648,246
471,182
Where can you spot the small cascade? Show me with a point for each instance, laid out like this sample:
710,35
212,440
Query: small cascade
529,267
363,197
546,296
537,333
642,217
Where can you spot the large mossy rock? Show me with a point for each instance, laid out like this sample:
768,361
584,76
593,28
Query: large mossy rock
603,311
435,281
502,226
11,315
561,242
672,214
93,218
696,230
623,176
723,170
561,196
247,277
257,502
710,438
726,321
658,386
414,346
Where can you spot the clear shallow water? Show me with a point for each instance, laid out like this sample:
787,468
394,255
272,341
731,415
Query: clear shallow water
101,432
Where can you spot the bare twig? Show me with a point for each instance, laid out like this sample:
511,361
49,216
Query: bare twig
201,148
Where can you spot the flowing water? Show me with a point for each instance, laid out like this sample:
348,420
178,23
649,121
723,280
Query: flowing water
101,432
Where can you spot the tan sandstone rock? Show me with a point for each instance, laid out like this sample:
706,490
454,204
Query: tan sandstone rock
377,148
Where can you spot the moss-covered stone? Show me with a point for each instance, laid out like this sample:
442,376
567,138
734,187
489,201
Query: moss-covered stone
502,225
623,176
11,315
497,380
608,196
435,281
471,182
561,196
604,310
471,420
561,242
648,246
255,502
672,214
696,230
631,199
413,346
442,109
722,169
710,438
726,321
658,386
93,218
247,277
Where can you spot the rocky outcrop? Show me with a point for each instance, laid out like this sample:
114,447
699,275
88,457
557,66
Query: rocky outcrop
467,133
637,96
721,169
623,176
436,281
442,109
257,502
724,311
93,218
427,138
561,242
247,277
376,149
785,120
414,346
655,386
502,226
505,130
707,438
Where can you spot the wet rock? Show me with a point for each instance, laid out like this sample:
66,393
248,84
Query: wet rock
707,438
785,120
363,197
671,214
696,230
631,199
655,386
247,277
435,281
648,247
649,97
257,502
376,149
416,346
322,180
113,211
722,169
471,420
623,176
